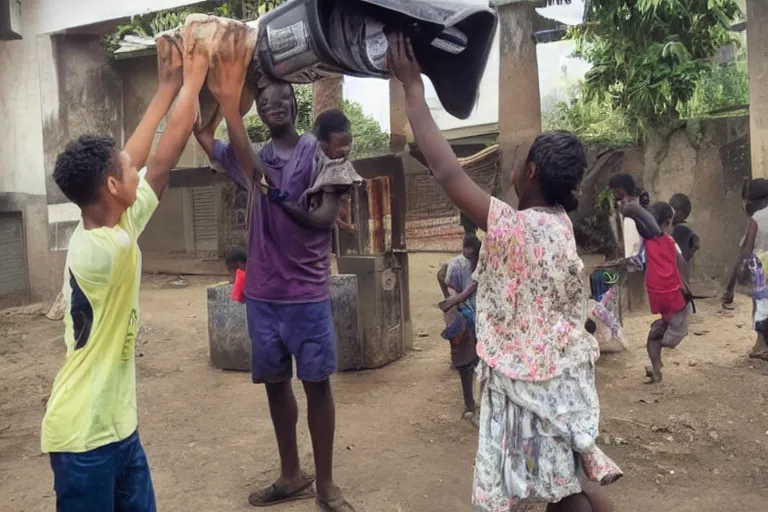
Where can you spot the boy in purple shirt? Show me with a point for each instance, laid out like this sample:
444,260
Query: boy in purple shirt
287,285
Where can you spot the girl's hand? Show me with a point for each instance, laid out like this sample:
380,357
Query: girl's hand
402,63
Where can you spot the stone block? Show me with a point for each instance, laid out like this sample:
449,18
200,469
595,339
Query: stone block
230,346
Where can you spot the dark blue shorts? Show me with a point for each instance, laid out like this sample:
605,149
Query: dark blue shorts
281,331
111,478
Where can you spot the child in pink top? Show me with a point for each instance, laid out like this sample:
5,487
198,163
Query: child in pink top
236,260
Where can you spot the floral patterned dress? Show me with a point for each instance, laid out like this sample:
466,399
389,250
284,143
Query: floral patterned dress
539,409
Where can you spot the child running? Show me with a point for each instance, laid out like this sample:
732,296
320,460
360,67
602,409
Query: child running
665,283
90,425
459,290
538,406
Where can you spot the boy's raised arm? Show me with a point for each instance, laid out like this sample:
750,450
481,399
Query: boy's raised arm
170,79
227,84
179,126
647,227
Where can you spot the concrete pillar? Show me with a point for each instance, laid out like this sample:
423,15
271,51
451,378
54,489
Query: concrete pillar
327,94
757,56
519,102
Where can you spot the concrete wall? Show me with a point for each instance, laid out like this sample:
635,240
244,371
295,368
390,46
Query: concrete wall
81,93
710,167
21,163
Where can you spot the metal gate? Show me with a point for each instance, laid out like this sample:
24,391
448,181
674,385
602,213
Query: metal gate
13,270
204,220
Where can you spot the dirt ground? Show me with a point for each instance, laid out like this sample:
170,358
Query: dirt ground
697,442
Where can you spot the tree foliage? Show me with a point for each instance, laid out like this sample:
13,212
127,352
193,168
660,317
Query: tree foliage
649,55
593,121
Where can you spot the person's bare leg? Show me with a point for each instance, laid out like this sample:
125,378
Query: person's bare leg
760,348
321,417
292,484
653,345
467,375
574,503
285,416
598,501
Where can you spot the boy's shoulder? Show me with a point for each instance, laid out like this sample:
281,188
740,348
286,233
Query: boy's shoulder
92,253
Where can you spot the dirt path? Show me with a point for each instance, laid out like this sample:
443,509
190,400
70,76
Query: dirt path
697,442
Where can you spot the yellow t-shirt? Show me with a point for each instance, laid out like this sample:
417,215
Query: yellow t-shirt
93,401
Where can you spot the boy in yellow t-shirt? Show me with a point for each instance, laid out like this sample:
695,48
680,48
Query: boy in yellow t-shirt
90,425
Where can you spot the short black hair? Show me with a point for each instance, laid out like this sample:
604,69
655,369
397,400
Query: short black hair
472,241
560,161
331,121
682,205
623,181
235,256
662,212
590,326
82,168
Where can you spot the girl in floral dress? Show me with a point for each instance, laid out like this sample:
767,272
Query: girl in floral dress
539,407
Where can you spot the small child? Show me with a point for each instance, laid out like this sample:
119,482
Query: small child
237,260
665,283
684,236
459,290
334,172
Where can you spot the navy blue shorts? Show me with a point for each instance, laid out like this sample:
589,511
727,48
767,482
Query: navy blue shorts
281,331
114,477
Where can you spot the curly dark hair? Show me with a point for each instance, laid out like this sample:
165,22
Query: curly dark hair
662,212
472,241
682,206
331,121
624,182
560,162
82,168
235,256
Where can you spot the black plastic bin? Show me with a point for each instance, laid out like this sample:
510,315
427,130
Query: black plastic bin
303,41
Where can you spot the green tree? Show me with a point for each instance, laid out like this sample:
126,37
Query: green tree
649,55
594,120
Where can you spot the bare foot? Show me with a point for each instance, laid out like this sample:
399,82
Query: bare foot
471,418
651,376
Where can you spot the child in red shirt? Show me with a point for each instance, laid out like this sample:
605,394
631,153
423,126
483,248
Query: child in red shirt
236,260
668,291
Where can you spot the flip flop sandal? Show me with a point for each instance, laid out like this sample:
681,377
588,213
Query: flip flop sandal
273,495
336,505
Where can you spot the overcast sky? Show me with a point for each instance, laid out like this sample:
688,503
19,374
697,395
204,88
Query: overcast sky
373,94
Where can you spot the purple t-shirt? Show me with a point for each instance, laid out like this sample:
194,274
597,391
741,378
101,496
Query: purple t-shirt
287,263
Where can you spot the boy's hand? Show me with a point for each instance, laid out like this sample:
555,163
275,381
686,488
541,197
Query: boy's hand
403,65
196,60
169,63
229,65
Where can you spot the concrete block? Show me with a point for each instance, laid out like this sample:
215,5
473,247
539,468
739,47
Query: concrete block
230,346
347,323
